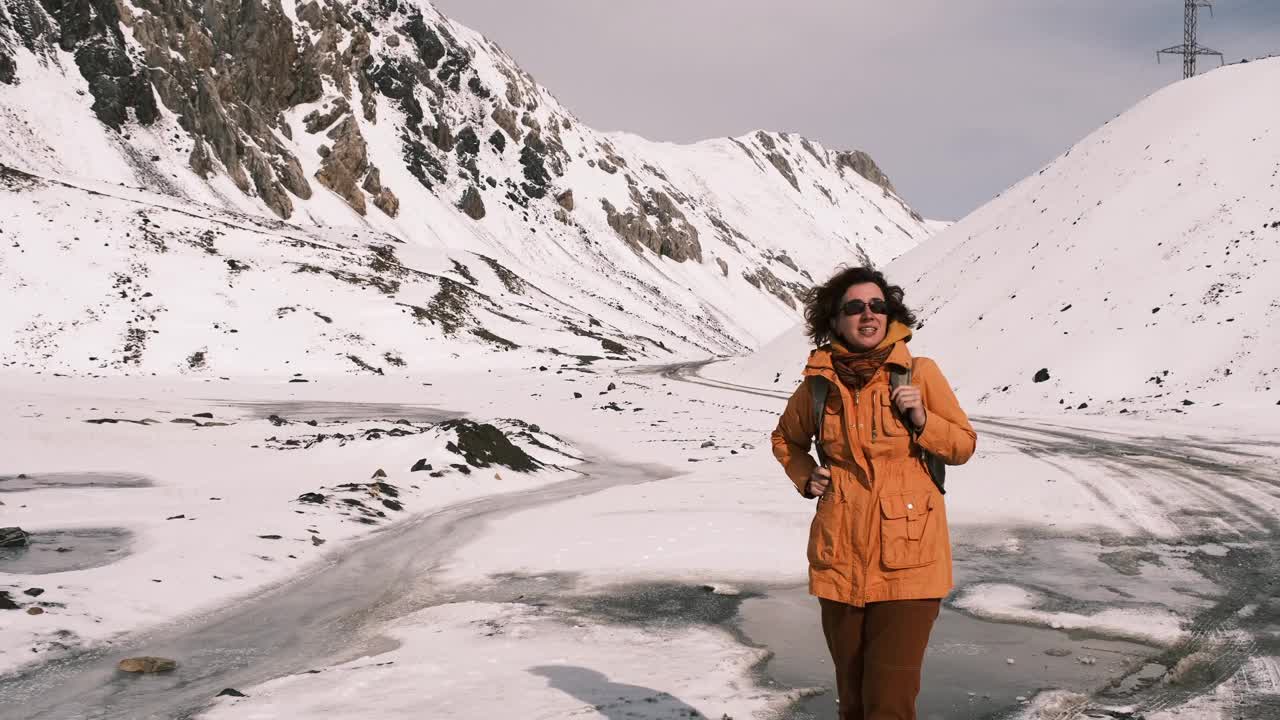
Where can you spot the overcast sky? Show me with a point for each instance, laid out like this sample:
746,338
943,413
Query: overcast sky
956,100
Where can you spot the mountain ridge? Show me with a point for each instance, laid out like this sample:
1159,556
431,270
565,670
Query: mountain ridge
1135,273
388,118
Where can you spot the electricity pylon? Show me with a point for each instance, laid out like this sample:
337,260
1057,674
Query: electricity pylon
1190,49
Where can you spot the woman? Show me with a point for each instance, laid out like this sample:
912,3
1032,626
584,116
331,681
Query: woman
879,552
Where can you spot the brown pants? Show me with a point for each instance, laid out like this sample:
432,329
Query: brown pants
878,651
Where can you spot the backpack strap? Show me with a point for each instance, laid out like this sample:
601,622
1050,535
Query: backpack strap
899,377
937,470
818,389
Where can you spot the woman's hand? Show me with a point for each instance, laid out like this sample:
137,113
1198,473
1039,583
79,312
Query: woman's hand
909,402
819,481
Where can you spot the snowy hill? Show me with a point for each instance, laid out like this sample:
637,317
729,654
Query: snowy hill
171,178
1138,270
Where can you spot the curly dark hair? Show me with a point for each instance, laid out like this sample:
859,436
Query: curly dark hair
820,304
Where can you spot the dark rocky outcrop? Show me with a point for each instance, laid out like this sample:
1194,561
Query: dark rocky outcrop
383,198
347,172
764,278
498,141
421,162
14,537
780,163
467,149
24,23
91,31
808,146
506,119
483,445
430,49
864,258
267,181
450,308
8,67
229,71
441,135
654,222
785,260
511,281
861,163
468,144
472,203
346,163
533,160
728,234
322,119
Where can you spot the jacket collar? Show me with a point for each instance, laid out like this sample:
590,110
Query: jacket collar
898,335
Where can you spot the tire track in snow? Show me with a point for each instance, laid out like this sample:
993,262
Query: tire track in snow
1230,490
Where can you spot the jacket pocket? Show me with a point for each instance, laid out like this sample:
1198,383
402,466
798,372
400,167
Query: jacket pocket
889,423
906,534
833,440
828,540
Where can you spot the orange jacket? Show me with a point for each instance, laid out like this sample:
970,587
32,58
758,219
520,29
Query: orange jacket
880,531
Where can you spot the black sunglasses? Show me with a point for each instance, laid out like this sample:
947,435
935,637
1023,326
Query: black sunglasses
855,307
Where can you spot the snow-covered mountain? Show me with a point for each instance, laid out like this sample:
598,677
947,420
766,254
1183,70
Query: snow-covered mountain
274,185
1136,272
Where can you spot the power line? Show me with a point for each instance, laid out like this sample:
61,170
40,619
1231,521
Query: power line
1190,49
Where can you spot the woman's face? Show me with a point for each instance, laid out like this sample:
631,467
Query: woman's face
863,330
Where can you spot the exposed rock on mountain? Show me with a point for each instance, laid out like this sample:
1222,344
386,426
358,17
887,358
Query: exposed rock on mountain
385,117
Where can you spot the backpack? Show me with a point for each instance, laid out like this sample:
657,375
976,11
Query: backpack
820,386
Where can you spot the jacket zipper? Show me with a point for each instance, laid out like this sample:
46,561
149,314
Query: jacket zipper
873,421
856,394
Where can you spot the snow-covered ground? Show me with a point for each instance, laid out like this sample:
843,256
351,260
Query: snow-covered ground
1105,528
211,509
475,660
207,552
1124,507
